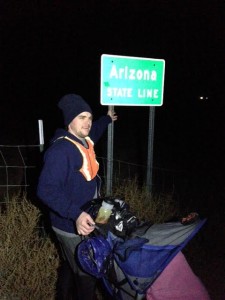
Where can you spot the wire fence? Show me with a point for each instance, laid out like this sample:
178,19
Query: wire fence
17,167
163,180
20,166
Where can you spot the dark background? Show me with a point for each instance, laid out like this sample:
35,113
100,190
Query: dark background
52,48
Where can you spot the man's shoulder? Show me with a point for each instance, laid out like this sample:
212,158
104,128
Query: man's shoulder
60,145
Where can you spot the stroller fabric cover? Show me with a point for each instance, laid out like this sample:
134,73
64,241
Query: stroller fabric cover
176,282
142,258
137,260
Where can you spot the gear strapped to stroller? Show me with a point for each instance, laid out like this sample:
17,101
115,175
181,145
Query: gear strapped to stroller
129,255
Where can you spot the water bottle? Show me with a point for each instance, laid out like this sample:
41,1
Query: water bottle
104,211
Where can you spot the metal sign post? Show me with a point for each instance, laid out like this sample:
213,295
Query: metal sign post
109,178
149,184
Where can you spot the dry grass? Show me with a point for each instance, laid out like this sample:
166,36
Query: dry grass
28,261
145,205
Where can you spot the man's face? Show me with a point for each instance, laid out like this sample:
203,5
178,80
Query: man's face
81,125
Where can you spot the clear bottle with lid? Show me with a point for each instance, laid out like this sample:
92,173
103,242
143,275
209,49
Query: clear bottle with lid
104,211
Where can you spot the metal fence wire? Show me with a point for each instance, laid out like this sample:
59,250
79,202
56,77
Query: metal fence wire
20,166
17,163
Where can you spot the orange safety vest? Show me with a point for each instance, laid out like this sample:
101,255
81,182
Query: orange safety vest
90,165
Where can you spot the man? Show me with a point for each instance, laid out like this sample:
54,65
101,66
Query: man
69,180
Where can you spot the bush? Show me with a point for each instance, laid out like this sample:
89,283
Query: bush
28,261
145,205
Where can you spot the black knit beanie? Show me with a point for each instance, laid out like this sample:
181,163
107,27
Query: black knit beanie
72,105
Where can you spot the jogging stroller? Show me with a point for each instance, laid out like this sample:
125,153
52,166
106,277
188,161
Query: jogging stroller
129,255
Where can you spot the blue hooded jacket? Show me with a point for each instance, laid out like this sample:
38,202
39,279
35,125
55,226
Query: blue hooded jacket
61,186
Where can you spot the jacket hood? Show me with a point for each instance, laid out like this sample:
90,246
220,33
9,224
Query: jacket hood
61,133
58,133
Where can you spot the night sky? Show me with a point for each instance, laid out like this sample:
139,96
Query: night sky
48,50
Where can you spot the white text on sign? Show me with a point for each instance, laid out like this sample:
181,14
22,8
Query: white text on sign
132,74
128,92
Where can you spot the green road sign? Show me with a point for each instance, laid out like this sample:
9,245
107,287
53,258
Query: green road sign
127,80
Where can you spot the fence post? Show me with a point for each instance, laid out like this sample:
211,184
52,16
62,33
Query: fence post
41,135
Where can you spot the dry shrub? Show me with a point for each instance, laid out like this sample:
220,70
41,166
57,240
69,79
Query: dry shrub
28,261
145,205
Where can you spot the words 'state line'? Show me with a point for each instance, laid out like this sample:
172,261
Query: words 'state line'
128,92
